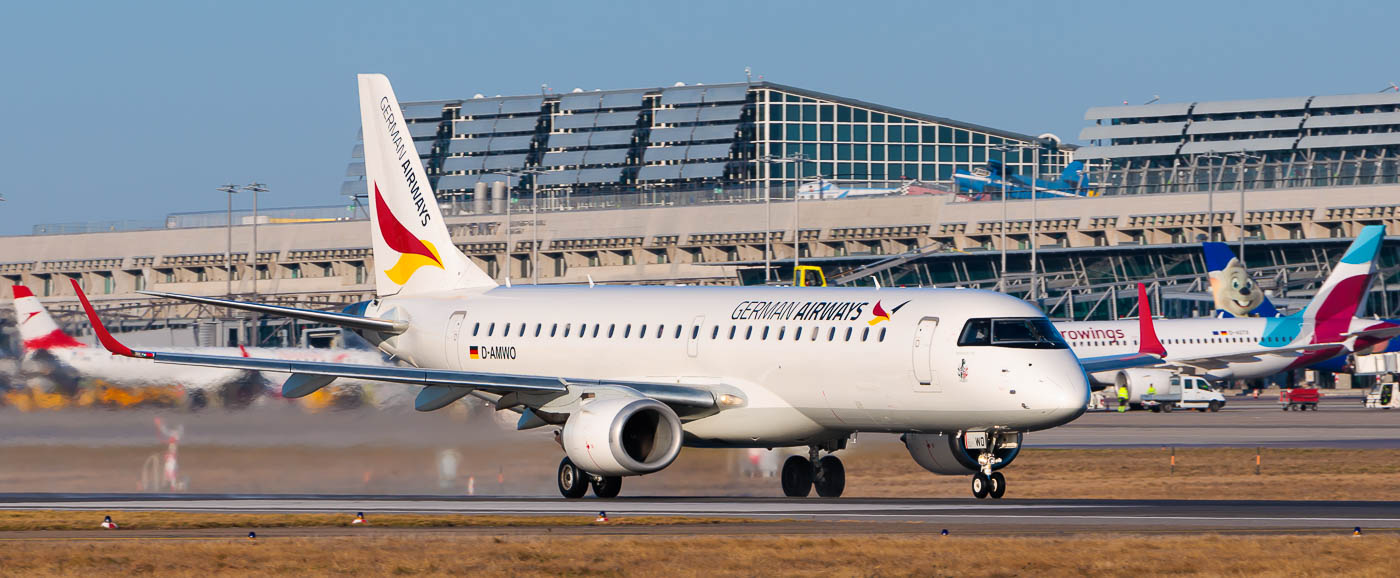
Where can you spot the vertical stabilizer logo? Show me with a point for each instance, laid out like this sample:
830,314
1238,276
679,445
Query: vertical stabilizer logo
414,253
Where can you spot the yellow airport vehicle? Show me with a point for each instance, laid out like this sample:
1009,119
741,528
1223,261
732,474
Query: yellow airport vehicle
808,276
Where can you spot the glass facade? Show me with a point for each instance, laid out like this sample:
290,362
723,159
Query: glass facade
730,138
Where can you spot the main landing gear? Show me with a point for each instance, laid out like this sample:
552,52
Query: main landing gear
574,482
801,474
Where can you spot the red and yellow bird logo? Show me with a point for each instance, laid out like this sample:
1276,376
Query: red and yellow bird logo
879,314
414,253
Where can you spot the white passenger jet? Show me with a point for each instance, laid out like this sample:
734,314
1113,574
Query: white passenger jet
1223,349
41,337
632,373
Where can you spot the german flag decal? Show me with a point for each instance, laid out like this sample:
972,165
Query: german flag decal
475,352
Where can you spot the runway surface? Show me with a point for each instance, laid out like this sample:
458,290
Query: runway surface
874,515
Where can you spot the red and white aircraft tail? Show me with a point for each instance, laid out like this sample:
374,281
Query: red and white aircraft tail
36,327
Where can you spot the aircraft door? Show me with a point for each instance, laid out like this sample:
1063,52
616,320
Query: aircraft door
454,337
692,336
923,355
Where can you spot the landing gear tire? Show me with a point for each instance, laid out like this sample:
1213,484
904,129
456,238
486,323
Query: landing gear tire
981,485
573,483
607,486
998,485
797,477
830,478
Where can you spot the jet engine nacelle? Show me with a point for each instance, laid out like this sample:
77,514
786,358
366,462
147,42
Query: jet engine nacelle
627,436
1139,380
948,455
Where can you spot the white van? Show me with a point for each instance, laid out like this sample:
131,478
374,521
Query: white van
1185,392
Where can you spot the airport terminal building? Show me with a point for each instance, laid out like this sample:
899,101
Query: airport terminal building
726,140
659,217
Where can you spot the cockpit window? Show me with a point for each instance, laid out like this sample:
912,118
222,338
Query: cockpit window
1023,332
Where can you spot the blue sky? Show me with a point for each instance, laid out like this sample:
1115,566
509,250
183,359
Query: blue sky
132,112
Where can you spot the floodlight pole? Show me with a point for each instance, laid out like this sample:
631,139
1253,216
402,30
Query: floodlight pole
1004,149
228,250
534,220
1244,157
1210,194
255,188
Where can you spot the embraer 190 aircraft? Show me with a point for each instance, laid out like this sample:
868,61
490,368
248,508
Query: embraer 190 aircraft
632,373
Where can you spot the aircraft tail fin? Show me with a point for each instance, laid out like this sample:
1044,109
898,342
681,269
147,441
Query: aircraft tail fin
1236,294
413,250
37,329
1343,294
1073,176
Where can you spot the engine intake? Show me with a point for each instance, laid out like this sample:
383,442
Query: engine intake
625,436
948,455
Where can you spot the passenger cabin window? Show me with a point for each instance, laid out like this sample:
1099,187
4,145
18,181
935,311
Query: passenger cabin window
596,327
491,329
506,333
732,329
797,334
566,329
848,333
694,331
1021,332
882,333
782,332
522,330
627,331
815,332
476,328
765,332
641,333
678,331
553,329
538,327
714,333
831,334
865,334
611,328
748,333
659,328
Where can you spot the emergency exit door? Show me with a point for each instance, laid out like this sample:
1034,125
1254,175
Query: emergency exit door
923,355
454,335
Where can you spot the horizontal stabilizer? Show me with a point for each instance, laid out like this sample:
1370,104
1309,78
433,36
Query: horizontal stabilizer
329,317
302,385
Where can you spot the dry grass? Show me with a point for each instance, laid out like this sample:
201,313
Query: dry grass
137,520
1200,473
845,555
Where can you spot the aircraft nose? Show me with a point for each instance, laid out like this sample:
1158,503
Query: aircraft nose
1066,393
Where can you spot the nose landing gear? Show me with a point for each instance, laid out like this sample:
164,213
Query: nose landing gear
827,475
987,482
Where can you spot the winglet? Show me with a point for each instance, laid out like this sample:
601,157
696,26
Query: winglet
1146,330
103,335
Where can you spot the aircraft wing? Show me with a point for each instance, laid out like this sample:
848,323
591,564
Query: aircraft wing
441,386
1150,351
386,326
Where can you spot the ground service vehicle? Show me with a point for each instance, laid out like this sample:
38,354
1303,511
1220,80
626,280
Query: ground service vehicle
1185,392
1301,399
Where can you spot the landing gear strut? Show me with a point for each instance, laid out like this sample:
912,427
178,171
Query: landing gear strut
827,474
987,482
